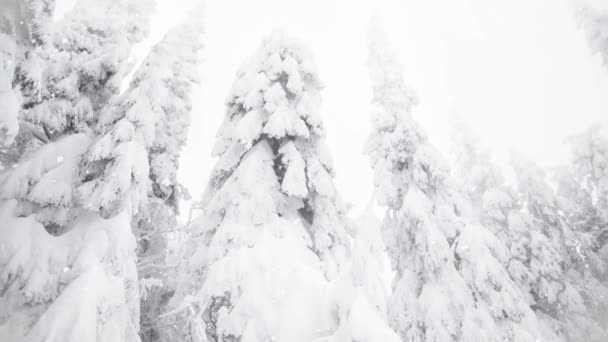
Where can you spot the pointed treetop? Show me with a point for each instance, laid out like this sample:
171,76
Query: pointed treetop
276,98
386,74
398,148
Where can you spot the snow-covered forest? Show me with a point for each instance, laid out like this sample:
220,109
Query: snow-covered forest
101,241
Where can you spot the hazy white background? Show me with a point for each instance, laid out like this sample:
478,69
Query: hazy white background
519,72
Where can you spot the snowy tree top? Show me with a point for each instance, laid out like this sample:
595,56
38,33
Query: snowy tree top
386,75
276,98
399,149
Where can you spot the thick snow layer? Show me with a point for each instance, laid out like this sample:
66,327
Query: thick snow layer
284,121
260,263
250,127
294,180
46,178
72,287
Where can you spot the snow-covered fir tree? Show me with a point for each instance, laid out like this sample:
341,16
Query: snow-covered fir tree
573,296
162,88
450,283
588,170
586,173
268,253
529,226
64,82
582,193
67,273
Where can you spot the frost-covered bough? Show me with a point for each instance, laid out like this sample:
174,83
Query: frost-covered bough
64,82
450,283
66,273
32,44
24,34
268,259
575,298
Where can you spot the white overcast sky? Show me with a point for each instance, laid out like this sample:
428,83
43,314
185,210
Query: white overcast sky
519,72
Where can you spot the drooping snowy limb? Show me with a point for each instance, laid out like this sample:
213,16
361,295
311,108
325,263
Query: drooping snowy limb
62,288
43,182
450,283
65,84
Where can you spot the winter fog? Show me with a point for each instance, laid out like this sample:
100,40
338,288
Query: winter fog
297,171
